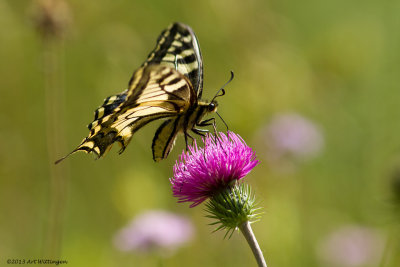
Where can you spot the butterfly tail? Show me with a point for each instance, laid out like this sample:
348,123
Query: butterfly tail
66,156
86,146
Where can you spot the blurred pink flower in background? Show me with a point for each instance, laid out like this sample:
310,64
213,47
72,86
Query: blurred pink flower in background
291,137
352,246
154,231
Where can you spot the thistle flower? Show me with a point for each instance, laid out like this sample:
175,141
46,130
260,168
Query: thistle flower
213,172
203,172
154,231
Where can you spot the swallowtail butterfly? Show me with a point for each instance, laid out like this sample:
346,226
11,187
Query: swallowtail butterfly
167,86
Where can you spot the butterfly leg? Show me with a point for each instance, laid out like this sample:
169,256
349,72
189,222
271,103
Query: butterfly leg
186,140
200,131
208,123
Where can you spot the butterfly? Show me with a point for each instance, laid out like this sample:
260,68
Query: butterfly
167,86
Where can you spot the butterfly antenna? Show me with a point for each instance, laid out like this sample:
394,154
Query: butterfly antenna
222,89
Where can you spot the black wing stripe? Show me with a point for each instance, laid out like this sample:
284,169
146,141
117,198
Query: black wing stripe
148,98
178,50
137,120
187,59
174,96
173,81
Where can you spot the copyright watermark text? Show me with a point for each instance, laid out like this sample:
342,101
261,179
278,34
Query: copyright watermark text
36,261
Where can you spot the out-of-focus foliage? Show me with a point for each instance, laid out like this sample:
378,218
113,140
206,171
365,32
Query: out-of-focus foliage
335,63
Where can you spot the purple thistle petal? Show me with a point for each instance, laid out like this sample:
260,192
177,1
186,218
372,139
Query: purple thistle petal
201,172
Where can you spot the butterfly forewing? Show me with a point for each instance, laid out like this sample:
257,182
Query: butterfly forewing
177,47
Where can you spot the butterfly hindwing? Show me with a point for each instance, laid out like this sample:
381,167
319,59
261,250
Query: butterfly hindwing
108,107
164,139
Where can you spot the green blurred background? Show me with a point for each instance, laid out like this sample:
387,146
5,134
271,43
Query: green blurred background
336,63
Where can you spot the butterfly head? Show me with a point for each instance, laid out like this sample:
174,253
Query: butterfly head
212,107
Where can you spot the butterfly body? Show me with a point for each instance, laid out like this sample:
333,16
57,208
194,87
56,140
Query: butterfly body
167,86
186,123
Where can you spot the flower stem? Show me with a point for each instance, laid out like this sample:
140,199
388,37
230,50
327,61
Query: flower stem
246,230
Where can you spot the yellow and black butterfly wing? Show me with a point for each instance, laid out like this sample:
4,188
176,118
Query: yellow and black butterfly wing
178,47
155,92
